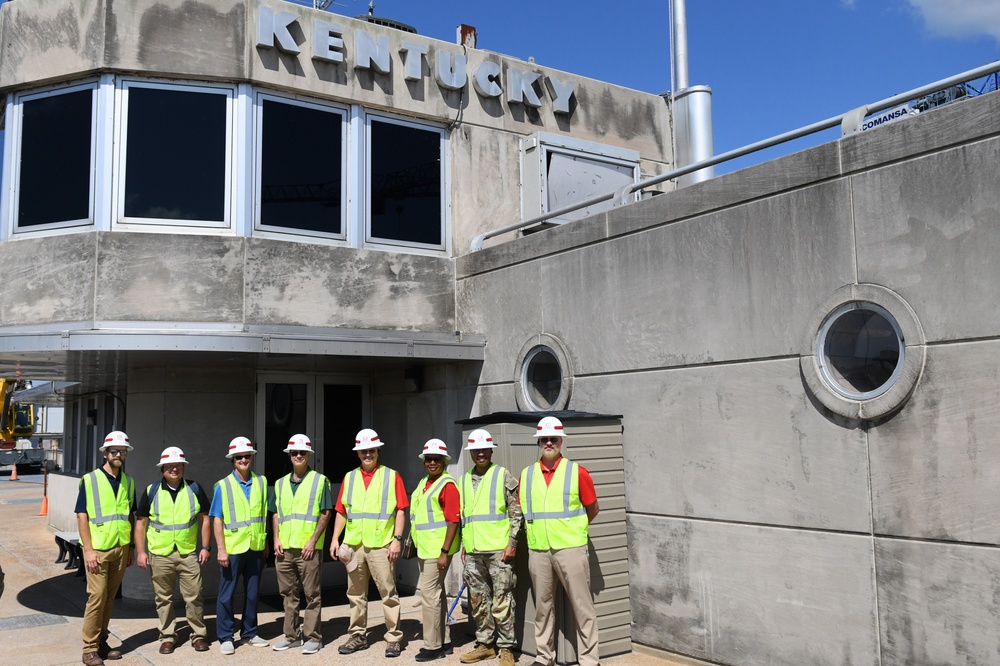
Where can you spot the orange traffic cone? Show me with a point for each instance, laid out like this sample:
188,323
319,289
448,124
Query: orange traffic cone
13,474
45,507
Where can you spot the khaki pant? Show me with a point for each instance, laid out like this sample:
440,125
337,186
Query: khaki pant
293,570
571,568
167,571
102,587
434,604
373,564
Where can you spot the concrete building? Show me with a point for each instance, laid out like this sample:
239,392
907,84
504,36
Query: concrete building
804,353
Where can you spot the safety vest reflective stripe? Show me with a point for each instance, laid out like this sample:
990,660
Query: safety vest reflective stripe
384,514
177,526
234,524
107,529
431,523
495,513
313,491
370,513
99,517
529,512
555,518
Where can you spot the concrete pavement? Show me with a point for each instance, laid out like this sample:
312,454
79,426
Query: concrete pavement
42,606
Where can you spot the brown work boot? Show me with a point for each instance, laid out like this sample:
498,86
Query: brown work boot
92,659
107,652
507,657
479,653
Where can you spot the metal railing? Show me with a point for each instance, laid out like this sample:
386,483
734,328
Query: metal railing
849,121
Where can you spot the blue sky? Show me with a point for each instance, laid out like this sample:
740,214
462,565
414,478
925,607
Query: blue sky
773,65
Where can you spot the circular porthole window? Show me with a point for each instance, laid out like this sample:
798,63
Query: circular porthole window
863,352
543,376
860,350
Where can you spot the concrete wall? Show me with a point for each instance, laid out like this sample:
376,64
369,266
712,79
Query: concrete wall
765,528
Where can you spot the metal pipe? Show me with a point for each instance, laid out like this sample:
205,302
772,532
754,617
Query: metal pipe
678,29
477,242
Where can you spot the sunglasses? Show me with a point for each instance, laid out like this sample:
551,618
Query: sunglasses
546,440
243,457
117,452
433,459
297,454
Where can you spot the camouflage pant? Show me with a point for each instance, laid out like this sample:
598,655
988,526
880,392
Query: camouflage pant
491,584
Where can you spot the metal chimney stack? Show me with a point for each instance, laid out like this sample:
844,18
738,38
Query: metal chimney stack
692,105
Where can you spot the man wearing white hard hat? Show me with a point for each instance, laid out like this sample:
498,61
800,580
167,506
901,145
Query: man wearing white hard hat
435,513
491,522
105,513
301,506
171,515
371,513
559,503
239,514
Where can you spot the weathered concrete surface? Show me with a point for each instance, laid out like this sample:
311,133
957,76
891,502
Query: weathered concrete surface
714,436
935,466
48,280
169,277
742,594
915,218
938,603
746,496
319,285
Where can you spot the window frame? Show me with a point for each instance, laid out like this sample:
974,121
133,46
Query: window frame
370,241
266,231
15,132
828,373
119,220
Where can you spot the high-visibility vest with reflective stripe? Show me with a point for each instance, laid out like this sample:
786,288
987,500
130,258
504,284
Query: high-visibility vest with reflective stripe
244,522
298,512
371,511
108,513
554,517
172,522
485,524
427,524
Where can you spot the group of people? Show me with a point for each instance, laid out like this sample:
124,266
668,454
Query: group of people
170,528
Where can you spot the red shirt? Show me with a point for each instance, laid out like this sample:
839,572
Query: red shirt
402,499
588,495
450,502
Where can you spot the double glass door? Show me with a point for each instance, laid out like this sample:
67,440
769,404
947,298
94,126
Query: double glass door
330,409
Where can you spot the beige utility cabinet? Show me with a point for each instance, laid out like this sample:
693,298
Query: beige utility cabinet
594,441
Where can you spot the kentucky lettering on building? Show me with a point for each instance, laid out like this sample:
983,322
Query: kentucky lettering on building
523,86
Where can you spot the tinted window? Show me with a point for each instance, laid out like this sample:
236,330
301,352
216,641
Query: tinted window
300,168
175,166
405,183
55,173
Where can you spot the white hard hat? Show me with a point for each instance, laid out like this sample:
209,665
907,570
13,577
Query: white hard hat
550,426
240,445
299,443
480,439
117,439
171,454
366,439
435,447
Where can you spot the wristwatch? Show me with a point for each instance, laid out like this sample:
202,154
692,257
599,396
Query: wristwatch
444,551
206,548
398,537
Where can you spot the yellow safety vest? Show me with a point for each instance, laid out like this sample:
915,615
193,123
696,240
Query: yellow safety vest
107,513
485,524
172,523
244,524
553,514
371,511
298,513
427,519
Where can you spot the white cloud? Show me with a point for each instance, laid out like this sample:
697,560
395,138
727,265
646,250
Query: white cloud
960,18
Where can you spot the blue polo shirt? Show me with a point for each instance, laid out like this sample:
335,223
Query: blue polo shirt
215,511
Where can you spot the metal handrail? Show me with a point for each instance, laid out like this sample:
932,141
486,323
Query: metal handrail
852,116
